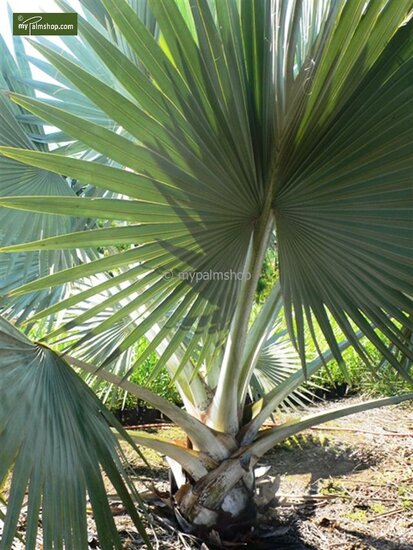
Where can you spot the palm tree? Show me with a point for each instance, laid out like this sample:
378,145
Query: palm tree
194,137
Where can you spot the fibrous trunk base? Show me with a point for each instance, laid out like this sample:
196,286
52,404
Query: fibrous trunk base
231,519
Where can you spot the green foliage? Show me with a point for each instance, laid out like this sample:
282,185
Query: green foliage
116,399
268,277
359,378
161,385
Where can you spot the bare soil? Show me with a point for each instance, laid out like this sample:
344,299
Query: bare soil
347,485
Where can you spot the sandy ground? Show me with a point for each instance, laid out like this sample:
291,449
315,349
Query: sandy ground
351,487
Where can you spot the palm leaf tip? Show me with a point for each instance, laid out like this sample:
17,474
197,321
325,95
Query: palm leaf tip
55,437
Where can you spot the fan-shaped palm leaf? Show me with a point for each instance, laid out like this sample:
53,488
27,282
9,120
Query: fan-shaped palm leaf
55,435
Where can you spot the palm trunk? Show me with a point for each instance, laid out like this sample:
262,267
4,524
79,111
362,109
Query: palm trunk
221,505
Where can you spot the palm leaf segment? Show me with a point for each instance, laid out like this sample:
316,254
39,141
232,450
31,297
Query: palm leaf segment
55,435
240,112
343,204
20,129
19,179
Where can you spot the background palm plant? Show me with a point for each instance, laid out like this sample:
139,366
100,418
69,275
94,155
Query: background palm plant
213,128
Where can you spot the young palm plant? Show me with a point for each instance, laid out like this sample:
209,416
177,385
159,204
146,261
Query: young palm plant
221,126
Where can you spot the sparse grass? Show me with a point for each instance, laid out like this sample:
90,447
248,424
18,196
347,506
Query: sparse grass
301,441
405,491
407,505
378,508
358,515
334,488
